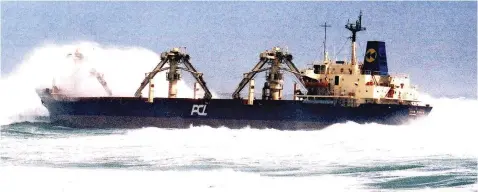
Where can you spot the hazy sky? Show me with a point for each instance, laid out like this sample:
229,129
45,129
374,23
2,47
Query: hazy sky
434,42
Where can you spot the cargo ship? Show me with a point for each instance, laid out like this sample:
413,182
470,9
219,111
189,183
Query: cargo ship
324,94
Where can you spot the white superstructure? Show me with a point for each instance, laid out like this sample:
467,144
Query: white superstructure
361,82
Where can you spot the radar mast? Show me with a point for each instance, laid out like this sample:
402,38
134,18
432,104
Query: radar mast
354,28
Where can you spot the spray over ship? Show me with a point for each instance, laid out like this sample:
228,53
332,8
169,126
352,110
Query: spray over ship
325,93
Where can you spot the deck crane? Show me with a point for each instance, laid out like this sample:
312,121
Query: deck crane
275,58
174,57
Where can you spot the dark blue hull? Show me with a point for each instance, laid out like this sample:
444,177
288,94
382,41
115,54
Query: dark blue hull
130,112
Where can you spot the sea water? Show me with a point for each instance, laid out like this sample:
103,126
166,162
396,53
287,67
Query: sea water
435,153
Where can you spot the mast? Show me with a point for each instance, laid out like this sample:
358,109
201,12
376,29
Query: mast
354,28
325,39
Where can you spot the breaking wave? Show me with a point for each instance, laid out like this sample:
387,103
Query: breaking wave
123,68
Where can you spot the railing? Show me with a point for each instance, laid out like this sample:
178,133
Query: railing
346,101
399,75
323,96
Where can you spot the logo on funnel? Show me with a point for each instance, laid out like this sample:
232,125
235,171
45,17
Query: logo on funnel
371,55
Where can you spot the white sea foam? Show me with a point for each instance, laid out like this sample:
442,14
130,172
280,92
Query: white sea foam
123,68
241,160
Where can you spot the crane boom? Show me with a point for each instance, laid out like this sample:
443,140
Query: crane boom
102,81
295,71
150,76
248,77
199,79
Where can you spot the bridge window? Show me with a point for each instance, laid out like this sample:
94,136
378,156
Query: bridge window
319,69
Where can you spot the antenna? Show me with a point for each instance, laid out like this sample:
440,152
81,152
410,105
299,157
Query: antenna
325,38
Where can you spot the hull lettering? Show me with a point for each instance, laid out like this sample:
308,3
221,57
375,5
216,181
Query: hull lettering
200,110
